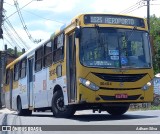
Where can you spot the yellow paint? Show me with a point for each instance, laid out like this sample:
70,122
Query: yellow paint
15,85
6,88
52,70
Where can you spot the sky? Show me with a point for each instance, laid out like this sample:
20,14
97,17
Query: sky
42,18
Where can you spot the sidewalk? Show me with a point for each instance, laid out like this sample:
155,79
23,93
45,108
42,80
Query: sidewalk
6,111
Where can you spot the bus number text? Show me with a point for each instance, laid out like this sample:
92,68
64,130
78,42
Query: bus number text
96,19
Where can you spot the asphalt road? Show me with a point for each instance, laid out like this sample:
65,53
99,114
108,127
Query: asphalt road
83,118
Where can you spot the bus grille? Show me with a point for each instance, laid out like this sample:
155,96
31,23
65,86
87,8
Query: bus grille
120,77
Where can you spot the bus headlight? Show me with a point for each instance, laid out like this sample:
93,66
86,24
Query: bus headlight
146,86
88,84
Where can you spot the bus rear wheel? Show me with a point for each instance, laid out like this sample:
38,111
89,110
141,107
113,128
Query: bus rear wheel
118,109
58,108
22,112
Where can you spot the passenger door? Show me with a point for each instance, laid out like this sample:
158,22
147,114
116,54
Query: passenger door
71,69
30,82
40,75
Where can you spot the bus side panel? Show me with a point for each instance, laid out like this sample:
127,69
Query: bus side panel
40,90
53,81
49,88
23,92
15,92
7,97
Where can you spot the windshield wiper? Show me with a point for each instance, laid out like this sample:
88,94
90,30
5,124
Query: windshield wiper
133,29
97,33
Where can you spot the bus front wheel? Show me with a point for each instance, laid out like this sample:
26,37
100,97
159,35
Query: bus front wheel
118,109
58,107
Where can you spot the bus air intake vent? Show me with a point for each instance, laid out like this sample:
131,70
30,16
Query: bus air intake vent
120,77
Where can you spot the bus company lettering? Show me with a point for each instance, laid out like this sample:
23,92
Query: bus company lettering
52,72
122,21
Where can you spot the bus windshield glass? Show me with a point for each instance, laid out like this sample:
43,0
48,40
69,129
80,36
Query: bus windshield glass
114,48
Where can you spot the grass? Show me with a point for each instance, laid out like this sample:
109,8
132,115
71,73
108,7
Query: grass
154,107
143,109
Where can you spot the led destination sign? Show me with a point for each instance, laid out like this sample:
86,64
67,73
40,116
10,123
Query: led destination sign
113,19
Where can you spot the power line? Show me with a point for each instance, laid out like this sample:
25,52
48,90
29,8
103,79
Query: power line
11,37
136,6
10,25
8,42
8,28
43,17
135,9
22,21
38,15
154,4
19,9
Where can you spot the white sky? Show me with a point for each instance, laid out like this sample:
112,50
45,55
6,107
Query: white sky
42,18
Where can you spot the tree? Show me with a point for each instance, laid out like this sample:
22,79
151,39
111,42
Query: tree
12,51
155,33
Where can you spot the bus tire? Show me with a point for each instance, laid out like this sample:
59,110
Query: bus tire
20,111
117,110
19,107
58,108
28,112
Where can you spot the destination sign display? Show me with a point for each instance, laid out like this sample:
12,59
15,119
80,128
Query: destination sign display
114,19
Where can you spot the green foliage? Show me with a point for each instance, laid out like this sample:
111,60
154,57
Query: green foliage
155,107
155,33
11,51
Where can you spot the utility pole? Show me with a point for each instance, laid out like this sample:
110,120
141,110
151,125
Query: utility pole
3,61
1,18
148,14
1,65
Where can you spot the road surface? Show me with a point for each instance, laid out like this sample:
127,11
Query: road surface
83,118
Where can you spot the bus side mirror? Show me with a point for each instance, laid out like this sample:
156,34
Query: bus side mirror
77,32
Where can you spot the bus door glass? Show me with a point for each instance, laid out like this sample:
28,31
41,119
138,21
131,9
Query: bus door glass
30,76
71,69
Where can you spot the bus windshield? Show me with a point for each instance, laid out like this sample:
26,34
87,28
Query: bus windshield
114,48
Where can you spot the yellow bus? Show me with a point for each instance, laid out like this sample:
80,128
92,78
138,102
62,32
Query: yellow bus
98,61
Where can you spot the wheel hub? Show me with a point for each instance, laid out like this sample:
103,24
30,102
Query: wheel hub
60,104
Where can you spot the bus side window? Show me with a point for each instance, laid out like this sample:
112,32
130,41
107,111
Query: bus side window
58,48
22,69
38,59
47,54
16,72
7,77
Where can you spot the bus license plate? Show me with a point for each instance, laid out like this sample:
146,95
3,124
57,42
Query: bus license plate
121,96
